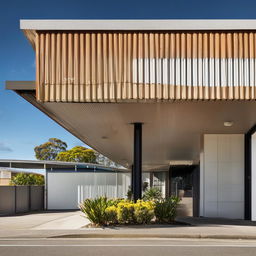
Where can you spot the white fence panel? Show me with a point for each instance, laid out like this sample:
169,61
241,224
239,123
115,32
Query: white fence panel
68,190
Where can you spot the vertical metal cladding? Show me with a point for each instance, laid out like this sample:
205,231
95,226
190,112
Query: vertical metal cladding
139,66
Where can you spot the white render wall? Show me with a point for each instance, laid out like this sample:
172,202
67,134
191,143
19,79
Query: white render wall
222,176
66,190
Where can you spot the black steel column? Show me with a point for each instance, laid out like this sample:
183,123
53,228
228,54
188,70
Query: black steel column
170,181
196,191
137,162
248,173
132,179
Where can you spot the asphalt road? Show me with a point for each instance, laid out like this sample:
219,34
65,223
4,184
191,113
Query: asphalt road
124,247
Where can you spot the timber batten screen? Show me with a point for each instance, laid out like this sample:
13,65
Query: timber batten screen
145,66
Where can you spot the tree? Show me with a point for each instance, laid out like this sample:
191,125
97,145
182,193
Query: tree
103,160
50,149
78,154
27,179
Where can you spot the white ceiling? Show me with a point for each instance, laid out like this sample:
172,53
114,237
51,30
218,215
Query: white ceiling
171,131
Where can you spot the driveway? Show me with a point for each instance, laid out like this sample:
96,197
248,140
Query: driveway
55,220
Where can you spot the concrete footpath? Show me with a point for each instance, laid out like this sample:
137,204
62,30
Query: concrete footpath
72,225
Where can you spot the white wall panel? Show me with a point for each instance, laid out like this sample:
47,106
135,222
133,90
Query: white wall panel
211,179
211,209
210,148
67,190
62,190
223,176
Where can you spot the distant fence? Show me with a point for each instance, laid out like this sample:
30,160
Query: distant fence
21,199
94,191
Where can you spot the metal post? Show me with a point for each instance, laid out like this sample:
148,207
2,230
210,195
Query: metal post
170,183
116,185
137,162
94,184
15,199
29,198
151,179
248,173
45,191
247,177
131,185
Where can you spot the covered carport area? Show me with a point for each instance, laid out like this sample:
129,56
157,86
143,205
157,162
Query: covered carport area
171,131
146,93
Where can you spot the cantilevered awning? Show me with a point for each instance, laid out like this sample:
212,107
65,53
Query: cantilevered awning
181,62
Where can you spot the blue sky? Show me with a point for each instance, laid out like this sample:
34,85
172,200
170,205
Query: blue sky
22,126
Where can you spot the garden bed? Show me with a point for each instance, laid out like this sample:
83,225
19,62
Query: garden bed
139,226
104,212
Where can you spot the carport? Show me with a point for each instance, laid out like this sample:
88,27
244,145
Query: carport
155,92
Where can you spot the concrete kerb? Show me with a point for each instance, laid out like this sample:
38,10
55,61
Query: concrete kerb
166,236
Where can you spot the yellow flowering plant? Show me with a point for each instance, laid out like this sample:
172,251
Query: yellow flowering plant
143,211
102,211
125,212
111,214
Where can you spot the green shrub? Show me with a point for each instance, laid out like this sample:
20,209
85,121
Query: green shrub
94,210
166,209
115,201
111,214
125,212
143,212
27,179
145,186
103,211
129,193
152,194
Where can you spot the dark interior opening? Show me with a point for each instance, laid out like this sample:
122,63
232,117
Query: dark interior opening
184,182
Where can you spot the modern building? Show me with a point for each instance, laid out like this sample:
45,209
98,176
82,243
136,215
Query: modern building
173,96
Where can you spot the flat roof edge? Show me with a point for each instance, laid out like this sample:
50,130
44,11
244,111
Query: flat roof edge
54,164
20,85
189,24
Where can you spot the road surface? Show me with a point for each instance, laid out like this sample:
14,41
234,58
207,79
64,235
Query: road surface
125,247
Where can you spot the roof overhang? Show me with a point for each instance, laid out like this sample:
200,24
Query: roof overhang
173,129
135,25
19,170
41,164
20,85
143,60
172,132
30,27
